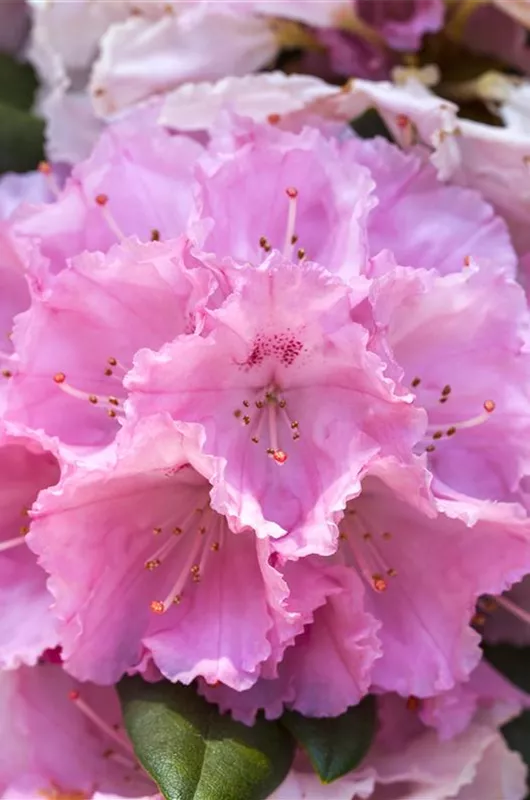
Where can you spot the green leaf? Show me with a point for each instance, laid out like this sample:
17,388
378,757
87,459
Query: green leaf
18,83
21,140
335,745
512,662
195,753
517,735
371,124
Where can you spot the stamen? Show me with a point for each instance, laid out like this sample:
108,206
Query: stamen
111,755
292,194
102,201
371,564
10,543
100,723
513,608
173,596
489,407
60,379
265,244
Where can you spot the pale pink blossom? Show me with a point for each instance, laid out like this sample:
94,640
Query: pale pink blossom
158,573
64,739
27,464
285,397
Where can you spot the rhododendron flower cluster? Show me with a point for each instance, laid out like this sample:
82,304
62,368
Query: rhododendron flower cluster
264,405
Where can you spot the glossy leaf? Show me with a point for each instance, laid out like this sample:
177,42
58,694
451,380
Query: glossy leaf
335,745
21,140
18,83
195,753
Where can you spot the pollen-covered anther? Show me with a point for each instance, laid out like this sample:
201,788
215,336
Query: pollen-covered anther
301,253
379,583
415,382
489,406
101,199
265,244
7,373
152,564
279,456
155,235
157,606
273,119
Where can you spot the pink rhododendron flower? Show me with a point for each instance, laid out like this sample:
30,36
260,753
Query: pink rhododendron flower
399,551
167,576
108,306
467,416
284,335
64,739
27,626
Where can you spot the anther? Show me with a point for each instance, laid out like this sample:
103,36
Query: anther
237,413
214,546
450,431
301,253
280,457
114,401
59,377
246,403
102,199
437,434
155,235
446,390
23,530
430,448
412,703
291,192
157,606
294,238
112,361
7,373
416,382
402,121
152,564
379,583
273,119
489,406
156,531
246,420
44,168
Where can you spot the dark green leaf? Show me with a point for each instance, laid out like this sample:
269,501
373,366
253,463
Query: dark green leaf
195,753
335,745
21,140
371,124
512,662
18,83
517,735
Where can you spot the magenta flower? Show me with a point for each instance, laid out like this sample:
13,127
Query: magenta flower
461,343
283,379
160,574
64,739
140,294
27,464
423,573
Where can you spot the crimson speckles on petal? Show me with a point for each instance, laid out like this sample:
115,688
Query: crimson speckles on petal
284,347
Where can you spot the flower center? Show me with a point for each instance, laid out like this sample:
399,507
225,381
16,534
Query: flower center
265,416
203,530
361,548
